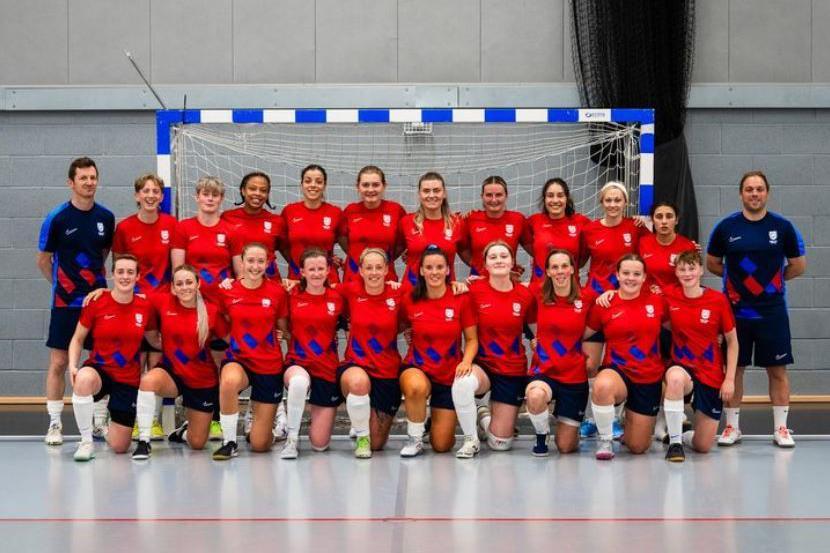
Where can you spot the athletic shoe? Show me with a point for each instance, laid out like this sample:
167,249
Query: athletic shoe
363,448
134,435
541,447
414,446
215,431
177,436
675,453
605,450
289,450
617,430
783,437
142,451
156,431
587,428
469,448
54,436
227,451
280,429
729,436
99,432
85,451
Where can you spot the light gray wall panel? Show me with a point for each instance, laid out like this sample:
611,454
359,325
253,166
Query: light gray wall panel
711,63
99,32
521,40
567,50
357,41
33,42
191,41
439,41
273,41
821,41
769,41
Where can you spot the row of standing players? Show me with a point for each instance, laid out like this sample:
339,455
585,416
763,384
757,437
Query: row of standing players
432,230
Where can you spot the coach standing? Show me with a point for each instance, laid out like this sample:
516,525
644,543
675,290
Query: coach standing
749,249
75,240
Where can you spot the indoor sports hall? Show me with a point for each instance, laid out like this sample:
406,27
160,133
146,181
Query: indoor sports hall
689,411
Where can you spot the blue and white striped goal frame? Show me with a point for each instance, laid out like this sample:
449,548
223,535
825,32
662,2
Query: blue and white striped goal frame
166,119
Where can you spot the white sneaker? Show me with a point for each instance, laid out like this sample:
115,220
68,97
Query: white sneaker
730,436
289,450
414,446
783,437
469,448
605,450
85,451
54,436
280,429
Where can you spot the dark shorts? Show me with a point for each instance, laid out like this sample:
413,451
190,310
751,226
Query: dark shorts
198,399
665,344
767,337
147,348
642,398
441,395
62,323
384,394
570,399
121,405
704,398
597,338
324,393
218,344
265,388
506,389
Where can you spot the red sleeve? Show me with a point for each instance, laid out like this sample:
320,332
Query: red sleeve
468,315
727,316
343,225
179,237
220,326
119,241
463,242
594,321
88,314
527,232
282,310
236,244
152,317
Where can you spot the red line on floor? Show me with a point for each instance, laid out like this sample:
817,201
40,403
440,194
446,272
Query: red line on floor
413,519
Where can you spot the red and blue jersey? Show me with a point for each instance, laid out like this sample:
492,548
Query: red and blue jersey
659,259
314,321
754,254
501,317
697,324
311,228
264,227
482,229
370,228
544,234
78,241
605,246
208,250
433,233
117,330
150,243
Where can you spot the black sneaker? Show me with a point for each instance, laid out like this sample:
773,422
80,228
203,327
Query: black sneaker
227,451
177,436
675,453
142,451
541,447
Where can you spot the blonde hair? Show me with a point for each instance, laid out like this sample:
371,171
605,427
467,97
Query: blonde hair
210,184
610,185
368,251
202,322
420,215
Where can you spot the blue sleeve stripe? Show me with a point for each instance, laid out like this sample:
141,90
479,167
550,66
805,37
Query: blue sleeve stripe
46,227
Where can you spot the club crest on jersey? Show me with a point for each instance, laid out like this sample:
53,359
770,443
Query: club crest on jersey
447,234
705,314
449,313
267,226
578,306
773,236
165,236
517,309
571,230
330,307
649,310
387,219
326,223
672,259
390,303
139,318
220,239
100,229
266,302
627,238
508,230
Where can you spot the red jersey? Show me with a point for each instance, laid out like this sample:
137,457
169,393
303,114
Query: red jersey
660,259
253,318
313,343
310,227
605,246
373,329
437,325
180,343
208,250
501,318
543,234
632,335
433,233
370,228
559,330
696,325
264,227
118,329
151,244
482,229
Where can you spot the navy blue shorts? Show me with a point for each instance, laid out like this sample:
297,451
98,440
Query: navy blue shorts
665,344
324,393
506,389
384,394
597,338
218,344
121,405
642,398
146,347
62,323
704,398
198,399
441,395
768,337
570,399
265,388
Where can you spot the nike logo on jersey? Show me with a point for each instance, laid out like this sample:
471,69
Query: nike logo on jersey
734,238
108,317
675,308
171,314
135,238
296,219
193,237
480,229
616,315
357,219
361,300
236,300
302,303
647,255
70,231
600,241
484,305
417,314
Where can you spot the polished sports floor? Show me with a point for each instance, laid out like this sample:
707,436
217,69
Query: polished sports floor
751,497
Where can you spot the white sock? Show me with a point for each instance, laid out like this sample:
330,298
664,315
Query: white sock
228,423
415,429
83,408
604,417
54,407
281,410
359,410
540,421
297,391
99,414
589,411
674,419
145,405
733,416
464,399
779,416
157,408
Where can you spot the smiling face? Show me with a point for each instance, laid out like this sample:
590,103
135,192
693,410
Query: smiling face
494,199
631,275
85,182
255,193
431,194
689,274
185,285
613,203
556,201
498,260
373,270
315,270
560,270
125,275
150,195
435,270
208,201
254,262
665,221
754,194
313,185
370,189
